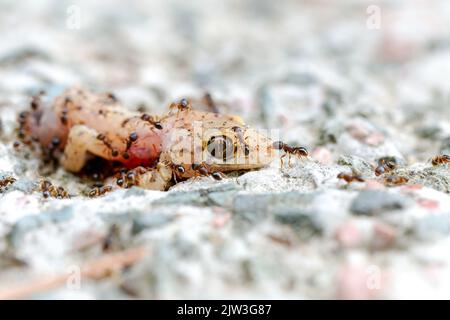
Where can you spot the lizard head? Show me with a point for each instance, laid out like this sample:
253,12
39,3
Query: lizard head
217,143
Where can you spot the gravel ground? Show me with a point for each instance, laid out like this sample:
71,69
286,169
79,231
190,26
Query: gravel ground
324,73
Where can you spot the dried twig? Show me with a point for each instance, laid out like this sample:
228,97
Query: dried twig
96,269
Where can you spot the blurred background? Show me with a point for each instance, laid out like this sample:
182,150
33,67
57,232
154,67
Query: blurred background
284,65
361,78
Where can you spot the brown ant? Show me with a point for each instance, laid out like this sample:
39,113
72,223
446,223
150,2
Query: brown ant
349,178
395,180
99,191
184,104
132,138
152,121
128,178
177,171
50,190
204,171
35,112
386,164
6,181
298,151
441,159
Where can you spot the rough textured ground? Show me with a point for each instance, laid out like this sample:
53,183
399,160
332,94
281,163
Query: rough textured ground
311,69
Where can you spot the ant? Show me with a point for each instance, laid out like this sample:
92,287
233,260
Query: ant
184,104
298,151
441,159
395,180
99,191
6,181
349,178
385,164
127,179
202,170
152,121
48,189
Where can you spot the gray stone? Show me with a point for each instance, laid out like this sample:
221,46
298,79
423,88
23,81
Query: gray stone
254,208
431,132
133,192
445,146
302,220
433,225
34,221
150,220
24,184
358,165
375,202
330,132
436,177
221,194
22,55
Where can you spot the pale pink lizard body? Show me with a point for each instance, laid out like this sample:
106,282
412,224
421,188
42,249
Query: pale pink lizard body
181,144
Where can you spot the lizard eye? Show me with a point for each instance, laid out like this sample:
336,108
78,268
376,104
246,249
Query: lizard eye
221,147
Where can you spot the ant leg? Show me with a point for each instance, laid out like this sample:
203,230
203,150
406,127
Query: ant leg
281,159
81,141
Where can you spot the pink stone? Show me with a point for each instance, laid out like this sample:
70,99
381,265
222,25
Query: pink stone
352,283
374,139
384,235
348,235
428,203
221,219
375,185
321,154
